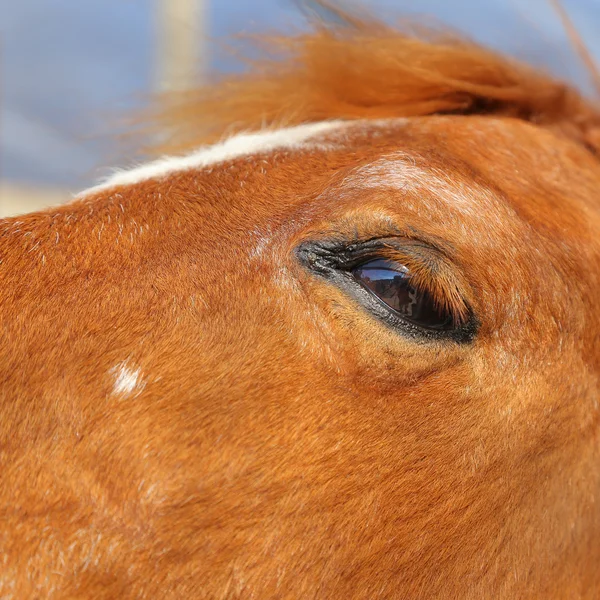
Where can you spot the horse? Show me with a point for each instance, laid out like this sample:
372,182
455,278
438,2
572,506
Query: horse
341,341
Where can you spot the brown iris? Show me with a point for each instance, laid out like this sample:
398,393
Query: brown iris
390,282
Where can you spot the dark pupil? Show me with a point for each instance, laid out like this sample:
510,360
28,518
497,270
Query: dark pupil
390,282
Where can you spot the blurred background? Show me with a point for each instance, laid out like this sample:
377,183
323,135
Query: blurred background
72,70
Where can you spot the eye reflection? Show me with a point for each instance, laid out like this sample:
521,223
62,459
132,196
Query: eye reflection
390,282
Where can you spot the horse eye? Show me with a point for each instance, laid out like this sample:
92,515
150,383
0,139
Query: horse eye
390,283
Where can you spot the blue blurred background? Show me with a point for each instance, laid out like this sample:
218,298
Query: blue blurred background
69,69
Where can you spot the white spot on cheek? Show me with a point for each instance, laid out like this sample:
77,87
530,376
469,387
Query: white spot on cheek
127,381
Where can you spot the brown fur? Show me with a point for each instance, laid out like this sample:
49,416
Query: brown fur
281,441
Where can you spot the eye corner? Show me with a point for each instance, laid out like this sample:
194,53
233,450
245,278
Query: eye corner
320,256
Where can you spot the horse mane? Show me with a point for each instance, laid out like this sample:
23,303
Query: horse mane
360,68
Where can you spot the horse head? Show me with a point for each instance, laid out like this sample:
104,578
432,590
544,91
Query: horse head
350,349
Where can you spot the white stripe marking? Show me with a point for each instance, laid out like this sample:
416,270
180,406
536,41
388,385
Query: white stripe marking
244,144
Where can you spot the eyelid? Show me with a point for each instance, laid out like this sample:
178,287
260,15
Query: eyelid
334,258
391,283
434,274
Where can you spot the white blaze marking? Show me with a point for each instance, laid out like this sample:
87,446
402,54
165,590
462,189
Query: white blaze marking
244,144
127,380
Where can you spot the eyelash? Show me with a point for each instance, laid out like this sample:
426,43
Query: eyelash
335,260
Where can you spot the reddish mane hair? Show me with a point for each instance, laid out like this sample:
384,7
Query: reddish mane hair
367,69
